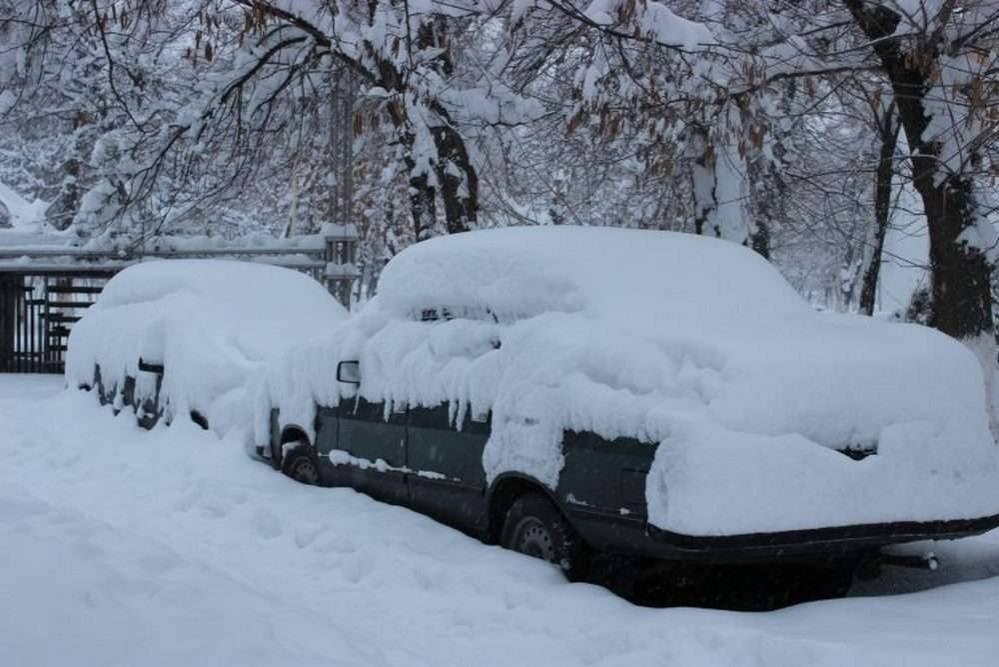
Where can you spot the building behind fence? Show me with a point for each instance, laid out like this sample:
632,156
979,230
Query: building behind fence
45,290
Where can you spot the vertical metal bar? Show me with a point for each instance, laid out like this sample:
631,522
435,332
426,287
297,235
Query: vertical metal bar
6,331
22,308
28,312
38,330
22,323
8,342
4,315
29,324
48,323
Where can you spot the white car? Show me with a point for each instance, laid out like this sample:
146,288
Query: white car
184,337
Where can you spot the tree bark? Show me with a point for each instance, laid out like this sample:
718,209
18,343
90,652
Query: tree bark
459,184
759,239
422,202
960,274
456,177
888,131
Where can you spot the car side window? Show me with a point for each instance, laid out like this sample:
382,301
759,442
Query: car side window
479,424
436,417
439,417
362,409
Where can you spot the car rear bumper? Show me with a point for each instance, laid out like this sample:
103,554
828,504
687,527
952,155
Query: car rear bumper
633,535
828,541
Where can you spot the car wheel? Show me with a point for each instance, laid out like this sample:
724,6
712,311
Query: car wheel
535,527
299,463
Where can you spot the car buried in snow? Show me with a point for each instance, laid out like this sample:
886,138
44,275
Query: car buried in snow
182,337
568,391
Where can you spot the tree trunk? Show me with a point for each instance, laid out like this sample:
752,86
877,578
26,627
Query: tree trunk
455,175
761,206
702,181
422,203
759,239
888,131
458,181
961,295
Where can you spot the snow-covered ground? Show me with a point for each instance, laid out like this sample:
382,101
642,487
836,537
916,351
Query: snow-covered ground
122,547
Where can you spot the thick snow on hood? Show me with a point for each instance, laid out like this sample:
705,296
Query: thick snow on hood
693,344
211,323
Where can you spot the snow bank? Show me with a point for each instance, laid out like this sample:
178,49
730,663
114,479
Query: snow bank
184,552
211,323
694,345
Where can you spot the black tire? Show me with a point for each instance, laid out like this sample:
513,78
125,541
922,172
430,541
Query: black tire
535,527
299,462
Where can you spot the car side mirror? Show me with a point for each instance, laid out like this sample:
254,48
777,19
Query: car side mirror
348,372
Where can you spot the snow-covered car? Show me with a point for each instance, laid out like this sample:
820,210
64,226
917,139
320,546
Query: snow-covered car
184,337
560,390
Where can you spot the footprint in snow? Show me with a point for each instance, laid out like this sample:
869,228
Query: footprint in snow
357,568
305,534
158,563
336,544
187,501
214,508
266,524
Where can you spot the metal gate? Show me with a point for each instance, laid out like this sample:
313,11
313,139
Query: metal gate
44,290
37,311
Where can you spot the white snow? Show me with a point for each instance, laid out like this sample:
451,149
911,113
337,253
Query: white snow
170,547
211,323
686,341
655,20
25,216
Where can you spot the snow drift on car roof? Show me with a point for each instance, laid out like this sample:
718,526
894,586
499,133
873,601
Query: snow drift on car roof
614,273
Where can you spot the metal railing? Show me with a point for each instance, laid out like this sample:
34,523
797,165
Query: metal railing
44,290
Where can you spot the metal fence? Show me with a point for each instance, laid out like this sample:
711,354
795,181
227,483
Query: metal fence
37,311
44,291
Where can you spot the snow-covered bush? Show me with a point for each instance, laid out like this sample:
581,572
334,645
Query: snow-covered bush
694,345
209,323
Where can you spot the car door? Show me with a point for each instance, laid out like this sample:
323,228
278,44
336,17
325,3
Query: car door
446,479
370,454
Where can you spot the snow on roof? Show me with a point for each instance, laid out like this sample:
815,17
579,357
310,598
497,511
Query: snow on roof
696,346
618,274
256,303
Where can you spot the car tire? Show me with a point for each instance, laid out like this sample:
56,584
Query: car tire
535,527
299,462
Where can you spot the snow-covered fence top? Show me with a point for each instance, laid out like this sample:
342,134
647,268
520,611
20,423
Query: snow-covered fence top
328,256
45,285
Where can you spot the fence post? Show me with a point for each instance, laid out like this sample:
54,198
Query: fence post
340,253
8,322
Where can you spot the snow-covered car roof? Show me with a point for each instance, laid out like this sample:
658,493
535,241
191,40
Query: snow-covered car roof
695,345
211,323
616,274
